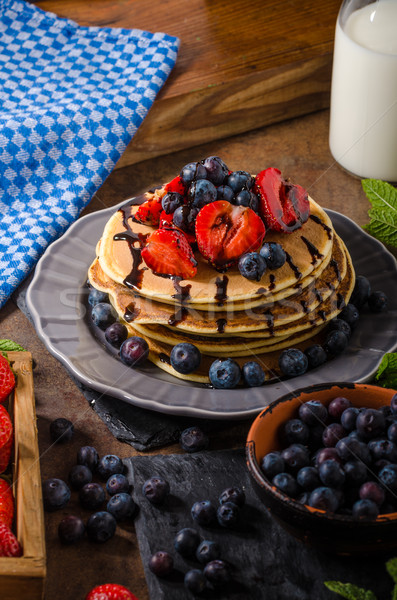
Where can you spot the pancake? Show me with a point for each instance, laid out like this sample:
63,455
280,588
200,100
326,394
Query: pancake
120,260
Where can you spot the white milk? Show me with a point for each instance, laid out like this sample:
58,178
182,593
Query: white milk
363,126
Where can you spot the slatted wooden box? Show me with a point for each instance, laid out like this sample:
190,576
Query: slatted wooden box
24,577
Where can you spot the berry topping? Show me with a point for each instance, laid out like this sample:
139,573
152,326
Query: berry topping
168,252
224,232
176,185
283,206
7,379
216,169
148,213
110,591
192,172
274,255
171,201
201,192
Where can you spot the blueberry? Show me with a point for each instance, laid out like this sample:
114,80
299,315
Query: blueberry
101,526
96,296
388,477
350,448
228,514
293,362
370,490
79,475
243,198
370,423
103,315
134,351
315,440
355,472
238,180
193,171
254,202
252,266
392,432
201,192
216,169
207,551
117,483
383,449
109,465
337,406
193,439
232,494
121,506
308,478
324,498
313,412
156,489
61,430
331,474
365,510
204,513
272,464
88,456
224,373
224,192
253,374
340,325
393,404
361,291
186,542
92,496
195,581
377,302
349,417
295,457
274,255
116,334
286,483
335,343
171,201
316,356
185,358
328,453
161,563
184,217
56,494
295,431
71,529
350,314
217,572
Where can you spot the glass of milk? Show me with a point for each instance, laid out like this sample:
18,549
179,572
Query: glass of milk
363,123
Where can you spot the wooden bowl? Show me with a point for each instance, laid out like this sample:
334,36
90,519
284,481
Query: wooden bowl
329,532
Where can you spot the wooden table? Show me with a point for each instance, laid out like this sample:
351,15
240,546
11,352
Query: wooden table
299,147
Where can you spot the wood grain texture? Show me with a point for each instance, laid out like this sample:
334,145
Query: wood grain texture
241,65
24,577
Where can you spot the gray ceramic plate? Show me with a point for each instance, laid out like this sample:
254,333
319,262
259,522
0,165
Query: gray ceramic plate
56,299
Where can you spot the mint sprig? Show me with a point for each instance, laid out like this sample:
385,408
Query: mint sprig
386,375
10,346
349,591
383,211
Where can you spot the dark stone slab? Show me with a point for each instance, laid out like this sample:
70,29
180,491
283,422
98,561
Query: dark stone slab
267,563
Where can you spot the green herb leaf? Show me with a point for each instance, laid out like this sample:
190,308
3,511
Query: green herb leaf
383,214
10,346
391,567
386,374
349,591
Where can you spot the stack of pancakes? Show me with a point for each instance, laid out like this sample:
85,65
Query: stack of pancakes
224,314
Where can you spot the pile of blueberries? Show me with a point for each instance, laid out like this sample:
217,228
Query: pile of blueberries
120,506
188,542
340,458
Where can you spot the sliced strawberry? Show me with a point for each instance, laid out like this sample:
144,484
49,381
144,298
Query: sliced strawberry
167,221
7,379
283,206
9,545
110,591
6,503
224,232
148,213
6,438
176,185
167,252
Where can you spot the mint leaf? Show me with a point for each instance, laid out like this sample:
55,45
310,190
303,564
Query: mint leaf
10,346
349,591
391,567
383,214
386,374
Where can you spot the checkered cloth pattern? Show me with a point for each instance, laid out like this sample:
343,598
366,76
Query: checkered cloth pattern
71,99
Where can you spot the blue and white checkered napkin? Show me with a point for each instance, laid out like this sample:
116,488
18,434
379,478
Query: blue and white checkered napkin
71,99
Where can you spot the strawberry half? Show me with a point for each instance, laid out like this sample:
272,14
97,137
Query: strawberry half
7,379
110,591
176,185
6,503
148,213
9,545
284,206
224,232
167,252
6,438
167,221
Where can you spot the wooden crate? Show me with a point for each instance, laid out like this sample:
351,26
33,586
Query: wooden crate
24,577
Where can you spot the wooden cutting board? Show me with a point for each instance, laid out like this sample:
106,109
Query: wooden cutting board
241,65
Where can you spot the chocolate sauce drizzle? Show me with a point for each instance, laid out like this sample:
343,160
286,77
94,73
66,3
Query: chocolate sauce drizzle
304,306
321,314
179,315
335,266
292,266
270,321
315,253
340,302
131,312
221,289
272,284
134,278
164,358
220,325
317,220
182,292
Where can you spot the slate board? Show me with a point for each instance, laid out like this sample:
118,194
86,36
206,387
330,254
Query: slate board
267,563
